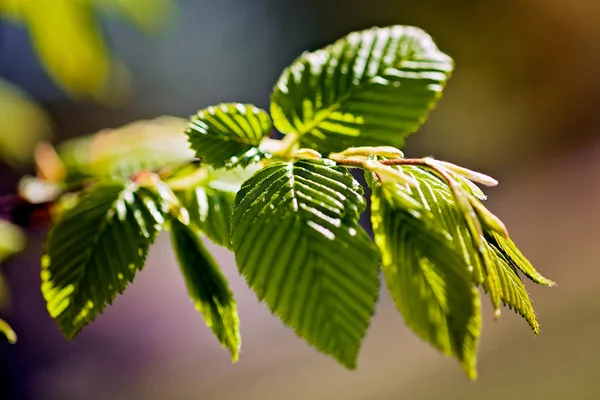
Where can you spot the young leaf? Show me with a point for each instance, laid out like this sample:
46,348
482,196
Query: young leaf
94,251
370,88
499,275
207,286
516,259
427,276
435,195
7,331
297,242
228,135
514,295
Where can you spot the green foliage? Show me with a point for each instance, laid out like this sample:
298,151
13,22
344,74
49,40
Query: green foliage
426,273
207,287
228,135
289,209
95,249
297,242
210,209
369,88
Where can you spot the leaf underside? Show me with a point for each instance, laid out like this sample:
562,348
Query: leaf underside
370,88
297,242
94,251
228,134
207,286
427,277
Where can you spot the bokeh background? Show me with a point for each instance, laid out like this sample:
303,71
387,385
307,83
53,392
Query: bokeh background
523,106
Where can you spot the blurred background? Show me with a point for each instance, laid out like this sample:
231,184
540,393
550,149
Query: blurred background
523,106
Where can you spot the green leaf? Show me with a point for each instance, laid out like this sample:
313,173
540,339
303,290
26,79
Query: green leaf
228,135
29,124
435,195
513,292
95,249
210,210
12,240
207,286
67,39
297,242
426,275
516,259
208,195
370,88
7,331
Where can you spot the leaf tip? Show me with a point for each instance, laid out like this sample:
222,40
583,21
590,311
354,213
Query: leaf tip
497,314
235,354
10,335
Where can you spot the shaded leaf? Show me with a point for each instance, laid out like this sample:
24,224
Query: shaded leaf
207,286
228,135
426,275
94,251
370,88
297,242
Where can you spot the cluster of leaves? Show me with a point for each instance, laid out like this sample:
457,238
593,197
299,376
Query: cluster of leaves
289,209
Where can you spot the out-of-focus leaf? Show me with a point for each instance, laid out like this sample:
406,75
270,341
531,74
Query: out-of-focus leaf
148,15
68,40
12,239
146,144
22,124
69,43
7,331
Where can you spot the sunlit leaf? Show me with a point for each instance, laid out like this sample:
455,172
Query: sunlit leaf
228,135
426,274
207,286
513,295
516,259
94,251
370,88
297,242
